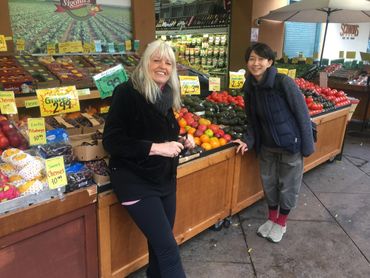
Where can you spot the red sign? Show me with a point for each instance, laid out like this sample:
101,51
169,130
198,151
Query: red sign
69,5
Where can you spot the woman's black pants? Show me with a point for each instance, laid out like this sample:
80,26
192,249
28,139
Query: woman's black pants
155,217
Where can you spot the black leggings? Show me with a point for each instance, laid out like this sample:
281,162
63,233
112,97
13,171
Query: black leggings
155,217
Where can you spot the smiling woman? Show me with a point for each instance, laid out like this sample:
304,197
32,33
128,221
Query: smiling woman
141,134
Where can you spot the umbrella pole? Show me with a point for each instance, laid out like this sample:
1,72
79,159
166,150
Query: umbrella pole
326,30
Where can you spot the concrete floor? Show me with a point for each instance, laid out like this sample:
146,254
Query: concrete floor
328,234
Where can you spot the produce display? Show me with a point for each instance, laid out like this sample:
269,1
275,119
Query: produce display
320,99
13,77
10,136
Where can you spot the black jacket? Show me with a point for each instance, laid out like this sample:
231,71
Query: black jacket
285,111
132,125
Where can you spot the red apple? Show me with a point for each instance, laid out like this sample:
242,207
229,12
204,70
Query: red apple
198,133
4,142
202,127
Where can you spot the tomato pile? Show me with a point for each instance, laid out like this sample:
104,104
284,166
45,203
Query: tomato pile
225,97
319,99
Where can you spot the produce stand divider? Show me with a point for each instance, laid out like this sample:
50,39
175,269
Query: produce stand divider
60,235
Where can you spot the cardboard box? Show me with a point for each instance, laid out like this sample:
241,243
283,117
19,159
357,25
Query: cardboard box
101,180
88,153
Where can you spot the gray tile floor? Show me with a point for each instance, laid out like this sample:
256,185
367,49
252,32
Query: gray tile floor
328,234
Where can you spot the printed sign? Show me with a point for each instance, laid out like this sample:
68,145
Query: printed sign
3,46
36,131
98,47
111,47
83,92
7,103
58,100
20,45
136,45
107,80
31,103
214,84
236,80
341,54
189,85
55,172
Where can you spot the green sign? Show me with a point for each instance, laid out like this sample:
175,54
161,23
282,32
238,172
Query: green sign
107,80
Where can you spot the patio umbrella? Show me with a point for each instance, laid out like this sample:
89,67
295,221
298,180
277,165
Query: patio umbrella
333,11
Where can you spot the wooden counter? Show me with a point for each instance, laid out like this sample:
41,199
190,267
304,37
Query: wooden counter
53,239
360,92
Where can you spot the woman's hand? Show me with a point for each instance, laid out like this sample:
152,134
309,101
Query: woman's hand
189,142
242,146
168,149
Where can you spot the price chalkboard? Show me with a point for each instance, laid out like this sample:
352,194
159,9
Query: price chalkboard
107,80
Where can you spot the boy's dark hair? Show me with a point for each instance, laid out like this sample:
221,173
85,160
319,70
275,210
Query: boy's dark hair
261,49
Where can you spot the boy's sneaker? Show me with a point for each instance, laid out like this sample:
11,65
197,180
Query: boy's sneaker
264,229
276,233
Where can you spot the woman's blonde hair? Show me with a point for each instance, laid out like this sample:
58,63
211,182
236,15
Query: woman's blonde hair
142,80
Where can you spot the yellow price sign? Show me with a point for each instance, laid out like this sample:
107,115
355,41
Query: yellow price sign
283,71
58,100
36,131
236,80
214,84
55,172
295,61
104,109
3,46
292,73
70,47
88,47
31,103
351,54
50,48
309,61
7,103
20,45
189,85
128,45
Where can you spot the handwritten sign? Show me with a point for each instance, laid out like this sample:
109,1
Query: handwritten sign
58,100
3,46
55,172
104,109
236,80
292,73
295,61
31,103
70,47
36,131
20,45
189,85
107,80
283,71
214,84
50,49
128,45
7,103
351,54
88,47
98,46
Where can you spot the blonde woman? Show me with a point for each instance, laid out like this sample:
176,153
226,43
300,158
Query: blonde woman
141,134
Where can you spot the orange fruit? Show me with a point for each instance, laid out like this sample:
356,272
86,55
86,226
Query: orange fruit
206,146
222,141
203,121
191,131
204,138
197,141
214,143
182,122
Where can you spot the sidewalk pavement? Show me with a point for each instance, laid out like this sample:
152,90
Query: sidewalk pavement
328,234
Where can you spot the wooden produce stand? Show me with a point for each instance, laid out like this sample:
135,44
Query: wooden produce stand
54,239
331,129
204,190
